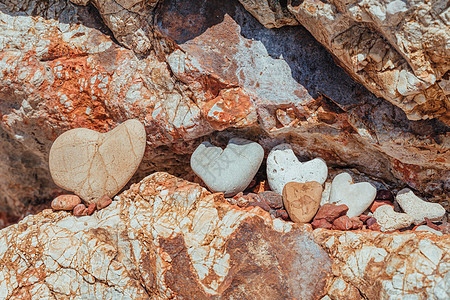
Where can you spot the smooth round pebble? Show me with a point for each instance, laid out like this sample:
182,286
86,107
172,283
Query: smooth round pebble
390,220
283,167
302,200
229,171
357,196
93,164
65,202
419,209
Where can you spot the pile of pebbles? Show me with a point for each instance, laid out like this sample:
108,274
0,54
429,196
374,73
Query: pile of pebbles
295,191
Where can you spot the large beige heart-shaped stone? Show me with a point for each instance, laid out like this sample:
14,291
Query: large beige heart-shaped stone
93,164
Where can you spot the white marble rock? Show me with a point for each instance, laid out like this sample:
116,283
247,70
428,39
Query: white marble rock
283,167
389,220
357,196
231,170
418,208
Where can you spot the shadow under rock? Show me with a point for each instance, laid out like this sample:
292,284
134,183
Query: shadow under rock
310,63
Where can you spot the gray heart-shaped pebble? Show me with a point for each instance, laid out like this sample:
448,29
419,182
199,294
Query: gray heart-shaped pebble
93,164
231,170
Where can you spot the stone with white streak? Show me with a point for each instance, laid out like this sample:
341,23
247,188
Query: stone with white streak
418,208
283,167
357,196
389,220
228,170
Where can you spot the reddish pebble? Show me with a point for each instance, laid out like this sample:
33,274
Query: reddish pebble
377,203
375,227
321,223
371,221
357,223
343,223
103,202
79,210
384,195
331,212
263,205
273,199
90,209
364,218
65,202
281,213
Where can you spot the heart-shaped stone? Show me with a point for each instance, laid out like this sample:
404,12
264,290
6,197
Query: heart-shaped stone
231,170
302,200
93,164
283,167
357,196
390,220
419,209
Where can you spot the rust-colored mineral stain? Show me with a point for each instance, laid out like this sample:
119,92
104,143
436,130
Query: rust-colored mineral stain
181,278
261,257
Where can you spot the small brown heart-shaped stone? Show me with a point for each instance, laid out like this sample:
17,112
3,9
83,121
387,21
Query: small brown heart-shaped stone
302,200
93,164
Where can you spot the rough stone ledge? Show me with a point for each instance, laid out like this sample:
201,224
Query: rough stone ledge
169,238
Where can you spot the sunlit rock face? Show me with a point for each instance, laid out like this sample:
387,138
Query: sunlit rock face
397,49
191,71
167,238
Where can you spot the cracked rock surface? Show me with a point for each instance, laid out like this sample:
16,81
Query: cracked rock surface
397,49
167,238
191,71
163,238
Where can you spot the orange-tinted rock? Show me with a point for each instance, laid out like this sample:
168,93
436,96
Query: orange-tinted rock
377,203
65,202
90,209
331,212
80,210
342,223
103,202
375,227
321,223
357,223
302,200
364,218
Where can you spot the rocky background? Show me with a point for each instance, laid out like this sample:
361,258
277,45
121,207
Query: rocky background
352,82
196,70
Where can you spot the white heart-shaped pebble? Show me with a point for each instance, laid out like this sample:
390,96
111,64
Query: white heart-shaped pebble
283,167
231,170
389,220
419,209
357,196
93,164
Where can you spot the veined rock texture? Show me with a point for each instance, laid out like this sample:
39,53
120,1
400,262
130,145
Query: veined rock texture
167,238
190,71
397,49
